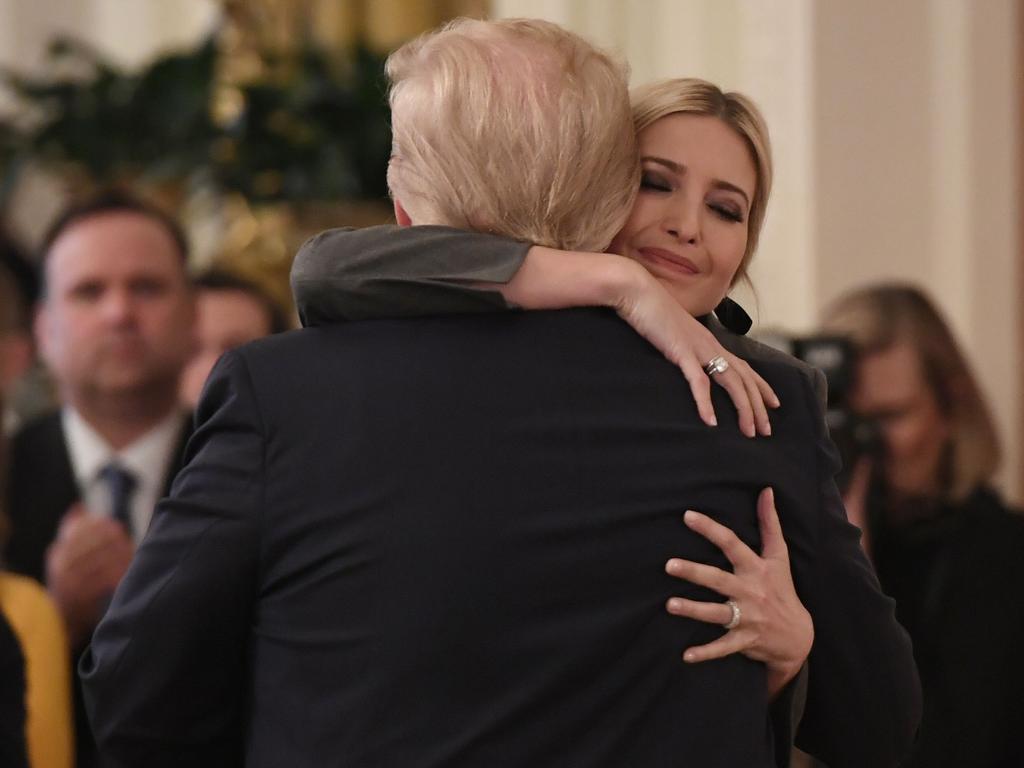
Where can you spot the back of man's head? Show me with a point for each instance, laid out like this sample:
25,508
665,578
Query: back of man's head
516,127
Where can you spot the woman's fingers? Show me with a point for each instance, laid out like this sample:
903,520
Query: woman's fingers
722,582
710,613
764,425
729,643
700,386
767,393
732,382
773,543
732,546
750,394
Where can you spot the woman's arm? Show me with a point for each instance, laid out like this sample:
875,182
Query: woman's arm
402,271
553,279
863,695
391,271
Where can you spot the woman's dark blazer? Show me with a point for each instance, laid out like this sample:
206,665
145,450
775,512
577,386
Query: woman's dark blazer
862,691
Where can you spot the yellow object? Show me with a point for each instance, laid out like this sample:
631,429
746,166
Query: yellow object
40,630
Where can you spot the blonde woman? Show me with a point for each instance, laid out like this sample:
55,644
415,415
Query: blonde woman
944,545
705,178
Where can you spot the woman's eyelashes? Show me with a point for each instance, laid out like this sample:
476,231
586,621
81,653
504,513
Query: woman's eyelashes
654,182
727,212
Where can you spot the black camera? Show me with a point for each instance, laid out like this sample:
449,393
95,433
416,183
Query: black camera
835,356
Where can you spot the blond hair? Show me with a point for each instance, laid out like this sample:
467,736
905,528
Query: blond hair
877,317
693,96
515,127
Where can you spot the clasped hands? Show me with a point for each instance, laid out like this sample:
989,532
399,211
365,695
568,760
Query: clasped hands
84,565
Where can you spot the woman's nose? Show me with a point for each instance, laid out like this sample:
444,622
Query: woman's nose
683,223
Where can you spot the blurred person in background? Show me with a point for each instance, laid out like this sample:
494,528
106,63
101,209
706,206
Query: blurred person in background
17,353
230,311
943,543
115,328
35,704
13,747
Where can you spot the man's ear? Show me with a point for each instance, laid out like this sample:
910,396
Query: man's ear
400,215
41,330
15,358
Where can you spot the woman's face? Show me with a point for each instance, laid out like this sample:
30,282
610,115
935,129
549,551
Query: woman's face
688,226
891,389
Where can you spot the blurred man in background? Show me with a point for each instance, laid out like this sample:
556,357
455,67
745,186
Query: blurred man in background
230,311
115,328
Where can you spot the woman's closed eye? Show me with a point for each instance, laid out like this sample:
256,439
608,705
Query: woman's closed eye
727,212
655,183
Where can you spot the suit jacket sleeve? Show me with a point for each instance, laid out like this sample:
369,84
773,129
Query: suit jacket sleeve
864,697
388,271
165,676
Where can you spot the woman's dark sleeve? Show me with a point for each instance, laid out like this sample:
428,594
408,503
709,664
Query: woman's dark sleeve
863,696
12,699
390,271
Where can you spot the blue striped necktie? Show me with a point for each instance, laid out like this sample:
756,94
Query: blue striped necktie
122,484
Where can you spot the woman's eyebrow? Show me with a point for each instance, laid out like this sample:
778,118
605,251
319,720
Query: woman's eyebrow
680,169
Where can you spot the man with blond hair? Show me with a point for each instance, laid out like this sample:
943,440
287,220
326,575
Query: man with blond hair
406,543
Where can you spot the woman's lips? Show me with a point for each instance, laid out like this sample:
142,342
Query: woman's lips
670,259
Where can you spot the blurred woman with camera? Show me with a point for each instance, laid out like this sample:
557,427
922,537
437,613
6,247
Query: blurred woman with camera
943,543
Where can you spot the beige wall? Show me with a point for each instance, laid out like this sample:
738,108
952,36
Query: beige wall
915,110
895,130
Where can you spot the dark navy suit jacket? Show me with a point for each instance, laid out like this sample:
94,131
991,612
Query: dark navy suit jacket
441,542
42,487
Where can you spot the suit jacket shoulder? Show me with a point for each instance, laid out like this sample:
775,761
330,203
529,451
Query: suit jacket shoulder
41,488
178,457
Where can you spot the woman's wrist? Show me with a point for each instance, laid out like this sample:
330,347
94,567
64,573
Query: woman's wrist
553,279
780,674
620,283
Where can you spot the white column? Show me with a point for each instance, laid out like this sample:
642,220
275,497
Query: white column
948,237
775,67
989,267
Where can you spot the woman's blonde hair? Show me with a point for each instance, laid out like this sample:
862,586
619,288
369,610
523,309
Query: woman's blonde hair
693,96
516,127
877,317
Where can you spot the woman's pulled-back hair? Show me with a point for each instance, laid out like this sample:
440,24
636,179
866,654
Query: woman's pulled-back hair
515,127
